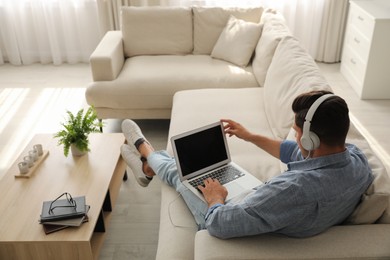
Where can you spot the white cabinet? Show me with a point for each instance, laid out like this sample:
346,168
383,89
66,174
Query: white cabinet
365,61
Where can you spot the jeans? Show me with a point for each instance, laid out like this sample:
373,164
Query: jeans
165,168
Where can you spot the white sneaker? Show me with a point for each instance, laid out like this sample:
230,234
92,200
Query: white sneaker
133,160
132,132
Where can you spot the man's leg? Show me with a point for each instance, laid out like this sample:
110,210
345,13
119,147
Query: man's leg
162,165
165,168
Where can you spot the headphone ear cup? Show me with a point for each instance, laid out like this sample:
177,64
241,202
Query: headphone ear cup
310,142
315,140
306,143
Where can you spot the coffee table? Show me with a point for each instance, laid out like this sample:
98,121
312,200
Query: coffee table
97,175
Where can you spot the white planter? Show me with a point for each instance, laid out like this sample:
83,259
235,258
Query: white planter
75,151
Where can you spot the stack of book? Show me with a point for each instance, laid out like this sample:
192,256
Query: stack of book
60,214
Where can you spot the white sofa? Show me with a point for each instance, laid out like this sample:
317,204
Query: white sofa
267,110
159,51
258,95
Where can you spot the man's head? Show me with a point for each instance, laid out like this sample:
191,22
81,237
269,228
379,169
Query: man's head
330,121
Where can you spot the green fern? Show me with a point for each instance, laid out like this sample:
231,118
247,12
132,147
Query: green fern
77,128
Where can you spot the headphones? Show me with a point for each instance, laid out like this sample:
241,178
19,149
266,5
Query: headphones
309,139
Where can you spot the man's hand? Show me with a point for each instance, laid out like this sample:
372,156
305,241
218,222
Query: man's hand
213,192
233,128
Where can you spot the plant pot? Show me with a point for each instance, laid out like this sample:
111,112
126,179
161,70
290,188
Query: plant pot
76,151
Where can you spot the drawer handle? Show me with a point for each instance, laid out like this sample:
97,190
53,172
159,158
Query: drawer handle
356,40
360,18
353,61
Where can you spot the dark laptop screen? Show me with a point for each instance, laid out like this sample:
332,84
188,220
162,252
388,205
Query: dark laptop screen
201,150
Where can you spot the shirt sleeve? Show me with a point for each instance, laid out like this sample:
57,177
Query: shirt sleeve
211,210
290,152
268,209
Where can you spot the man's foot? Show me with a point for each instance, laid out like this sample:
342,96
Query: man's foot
133,133
135,162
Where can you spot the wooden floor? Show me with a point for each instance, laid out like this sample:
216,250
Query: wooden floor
33,99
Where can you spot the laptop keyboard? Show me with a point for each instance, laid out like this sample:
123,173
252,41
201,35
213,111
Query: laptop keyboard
223,175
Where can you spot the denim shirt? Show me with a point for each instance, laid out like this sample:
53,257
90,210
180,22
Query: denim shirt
311,196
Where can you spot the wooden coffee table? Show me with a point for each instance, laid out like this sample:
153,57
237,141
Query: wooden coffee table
97,175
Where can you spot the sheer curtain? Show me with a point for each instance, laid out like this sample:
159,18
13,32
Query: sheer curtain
332,31
47,31
58,31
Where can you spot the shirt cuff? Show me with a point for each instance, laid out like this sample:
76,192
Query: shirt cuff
211,210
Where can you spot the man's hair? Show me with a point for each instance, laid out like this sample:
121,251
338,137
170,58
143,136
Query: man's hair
330,121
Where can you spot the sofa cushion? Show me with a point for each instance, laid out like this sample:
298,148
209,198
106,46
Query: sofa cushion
177,227
274,29
292,72
365,241
375,203
157,30
205,106
237,41
210,21
149,82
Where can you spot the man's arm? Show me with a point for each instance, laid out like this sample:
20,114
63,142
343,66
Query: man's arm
271,146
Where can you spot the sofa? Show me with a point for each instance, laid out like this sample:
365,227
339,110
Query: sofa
199,81
161,50
267,110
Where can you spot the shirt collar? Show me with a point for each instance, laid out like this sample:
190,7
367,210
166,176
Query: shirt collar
320,162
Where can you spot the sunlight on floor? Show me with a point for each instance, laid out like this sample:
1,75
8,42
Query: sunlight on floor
31,111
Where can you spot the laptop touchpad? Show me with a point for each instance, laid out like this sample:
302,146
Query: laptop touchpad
234,188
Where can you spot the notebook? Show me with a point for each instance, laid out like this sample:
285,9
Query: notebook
62,209
204,151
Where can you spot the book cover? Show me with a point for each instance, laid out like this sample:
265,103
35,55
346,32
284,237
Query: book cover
62,209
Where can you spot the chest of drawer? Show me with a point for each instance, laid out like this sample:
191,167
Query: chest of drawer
366,53
354,64
357,41
361,21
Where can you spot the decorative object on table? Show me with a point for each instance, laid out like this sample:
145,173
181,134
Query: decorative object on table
59,213
77,128
31,161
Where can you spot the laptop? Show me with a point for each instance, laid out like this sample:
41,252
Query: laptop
204,151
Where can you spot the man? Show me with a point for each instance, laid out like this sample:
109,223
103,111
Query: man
322,186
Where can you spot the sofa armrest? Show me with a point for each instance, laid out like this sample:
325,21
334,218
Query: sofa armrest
108,58
339,242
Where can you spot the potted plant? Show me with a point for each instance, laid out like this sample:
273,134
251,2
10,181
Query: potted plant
77,127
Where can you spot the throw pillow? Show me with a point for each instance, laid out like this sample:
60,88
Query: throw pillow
375,202
237,41
210,21
370,209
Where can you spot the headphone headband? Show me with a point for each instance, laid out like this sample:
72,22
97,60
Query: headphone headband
310,140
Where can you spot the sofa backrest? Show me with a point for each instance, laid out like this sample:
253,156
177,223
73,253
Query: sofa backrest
291,72
209,22
160,30
156,30
274,29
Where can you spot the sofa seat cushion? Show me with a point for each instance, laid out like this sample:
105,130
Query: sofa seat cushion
149,82
177,227
335,243
206,106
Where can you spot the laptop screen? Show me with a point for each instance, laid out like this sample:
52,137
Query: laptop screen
202,149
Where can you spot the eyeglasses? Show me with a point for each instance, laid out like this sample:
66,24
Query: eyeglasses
72,203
